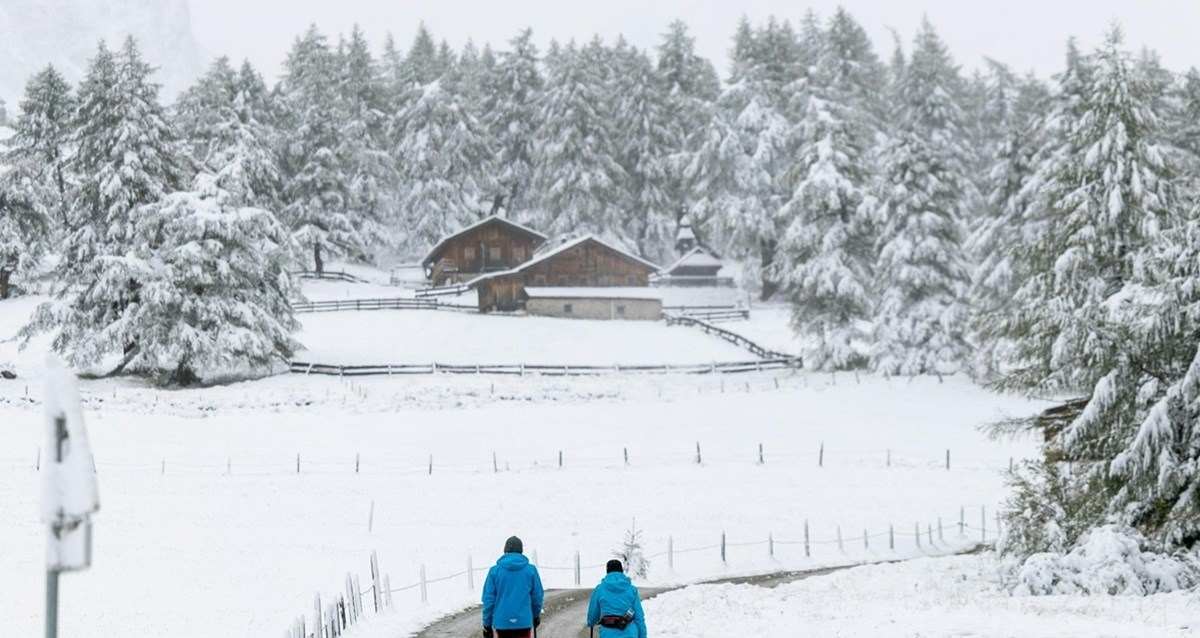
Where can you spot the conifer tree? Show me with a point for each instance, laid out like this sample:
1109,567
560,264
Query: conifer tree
213,287
576,174
316,190
921,269
443,165
127,156
41,138
368,167
511,114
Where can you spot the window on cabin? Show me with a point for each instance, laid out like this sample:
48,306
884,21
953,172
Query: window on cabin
583,281
620,310
494,254
568,309
519,254
469,253
562,280
539,280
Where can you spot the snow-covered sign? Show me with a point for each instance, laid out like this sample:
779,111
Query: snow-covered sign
69,492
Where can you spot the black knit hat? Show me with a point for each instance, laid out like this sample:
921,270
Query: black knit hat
513,546
614,566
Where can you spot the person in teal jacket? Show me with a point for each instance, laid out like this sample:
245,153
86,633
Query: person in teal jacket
512,595
616,606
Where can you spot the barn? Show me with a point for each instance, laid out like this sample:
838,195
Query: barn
586,262
492,244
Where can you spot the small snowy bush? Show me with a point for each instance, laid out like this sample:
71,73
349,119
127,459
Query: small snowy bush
632,555
1109,560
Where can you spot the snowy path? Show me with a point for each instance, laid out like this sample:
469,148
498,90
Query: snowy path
565,610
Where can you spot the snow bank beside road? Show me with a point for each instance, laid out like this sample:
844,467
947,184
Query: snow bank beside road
956,596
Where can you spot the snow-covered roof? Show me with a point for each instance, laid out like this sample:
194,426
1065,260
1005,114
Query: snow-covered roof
432,255
698,256
685,232
550,254
608,292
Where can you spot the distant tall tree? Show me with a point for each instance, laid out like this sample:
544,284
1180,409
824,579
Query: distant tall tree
24,222
645,144
576,173
691,86
200,109
316,191
827,254
363,151
444,166
41,136
421,66
921,272
511,114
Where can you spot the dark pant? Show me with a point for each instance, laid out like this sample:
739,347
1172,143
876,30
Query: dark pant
514,633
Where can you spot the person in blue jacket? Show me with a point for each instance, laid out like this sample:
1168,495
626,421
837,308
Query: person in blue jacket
616,606
512,595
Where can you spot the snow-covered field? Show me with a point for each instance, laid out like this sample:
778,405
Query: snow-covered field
207,528
424,336
958,596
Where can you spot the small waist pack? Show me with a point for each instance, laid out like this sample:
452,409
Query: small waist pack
617,622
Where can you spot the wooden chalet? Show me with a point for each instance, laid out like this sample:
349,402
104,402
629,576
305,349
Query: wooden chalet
586,262
493,244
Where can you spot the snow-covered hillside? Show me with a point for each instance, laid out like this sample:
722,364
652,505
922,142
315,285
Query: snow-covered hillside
34,33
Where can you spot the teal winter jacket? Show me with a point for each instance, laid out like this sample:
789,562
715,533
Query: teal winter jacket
512,593
615,596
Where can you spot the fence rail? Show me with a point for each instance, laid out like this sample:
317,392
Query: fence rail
335,305
440,291
329,275
519,369
732,337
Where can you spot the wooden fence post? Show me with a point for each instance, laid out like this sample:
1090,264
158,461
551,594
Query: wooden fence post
698,457
376,587
866,540
578,571
947,459
821,456
424,591
892,537
917,528
807,554
962,520
760,454
983,523
671,552
470,574
723,547
771,545
357,459
297,462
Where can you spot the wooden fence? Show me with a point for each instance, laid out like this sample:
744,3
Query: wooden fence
725,367
732,337
329,275
395,303
441,291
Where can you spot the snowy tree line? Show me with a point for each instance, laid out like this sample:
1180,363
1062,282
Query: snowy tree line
1041,235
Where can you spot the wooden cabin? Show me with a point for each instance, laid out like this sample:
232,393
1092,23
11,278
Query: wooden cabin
493,244
586,262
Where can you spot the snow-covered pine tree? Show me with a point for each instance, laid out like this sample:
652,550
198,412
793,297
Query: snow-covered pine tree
1009,220
444,167
41,139
827,253
127,156
740,169
421,66
201,108
1106,193
645,143
632,553
691,86
316,190
921,270
511,114
856,71
25,222
213,287
369,168
576,175
1110,309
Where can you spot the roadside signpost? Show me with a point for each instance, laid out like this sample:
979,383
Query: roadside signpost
69,492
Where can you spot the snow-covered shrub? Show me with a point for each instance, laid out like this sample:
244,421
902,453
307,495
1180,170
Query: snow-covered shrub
1109,560
632,554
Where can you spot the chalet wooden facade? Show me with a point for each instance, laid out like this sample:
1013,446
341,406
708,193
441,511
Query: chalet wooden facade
493,244
582,263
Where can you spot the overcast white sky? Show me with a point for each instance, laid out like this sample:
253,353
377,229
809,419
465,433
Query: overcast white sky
1027,34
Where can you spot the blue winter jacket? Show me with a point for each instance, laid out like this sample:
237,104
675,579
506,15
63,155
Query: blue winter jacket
512,593
614,596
